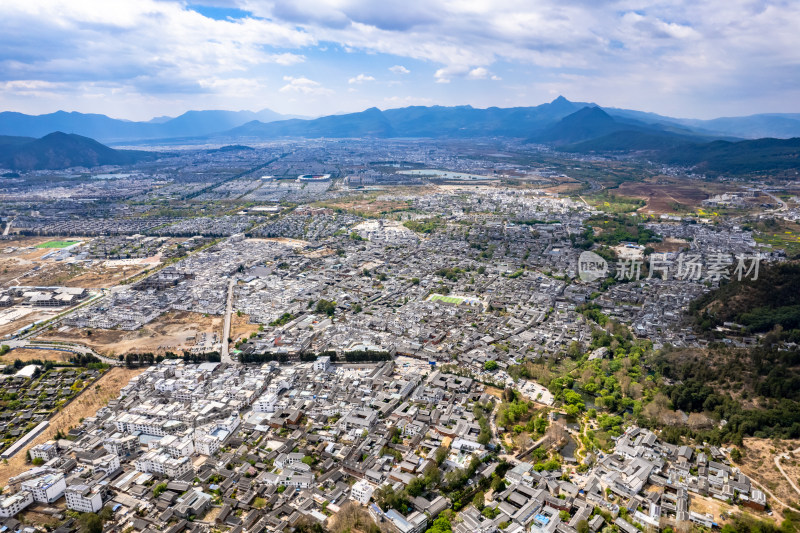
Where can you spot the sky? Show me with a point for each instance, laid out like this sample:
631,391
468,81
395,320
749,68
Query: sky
139,59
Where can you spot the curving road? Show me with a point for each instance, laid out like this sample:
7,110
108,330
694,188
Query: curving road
61,347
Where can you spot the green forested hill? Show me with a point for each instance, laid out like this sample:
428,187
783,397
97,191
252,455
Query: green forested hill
758,305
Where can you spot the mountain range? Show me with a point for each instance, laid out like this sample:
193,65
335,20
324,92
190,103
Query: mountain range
416,121
566,126
107,129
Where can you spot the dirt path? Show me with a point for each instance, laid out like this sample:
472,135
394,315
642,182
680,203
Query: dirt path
86,404
783,472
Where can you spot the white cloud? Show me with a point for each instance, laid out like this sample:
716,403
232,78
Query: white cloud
478,73
663,56
303,85
361,78
287,59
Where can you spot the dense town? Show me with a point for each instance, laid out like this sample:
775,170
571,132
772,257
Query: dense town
386,351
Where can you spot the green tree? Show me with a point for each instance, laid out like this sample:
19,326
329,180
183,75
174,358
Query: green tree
327,307
159,489
90,523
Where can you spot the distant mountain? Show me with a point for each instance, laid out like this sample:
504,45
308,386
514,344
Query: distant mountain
592,130
753,127
369,123
106,129
777,125
586,123
61,150
417,121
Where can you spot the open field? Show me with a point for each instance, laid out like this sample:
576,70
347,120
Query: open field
14,318
22,262
446,299
56,244
670,244
173,331
27,354
86,404
663,198
784,235
367,205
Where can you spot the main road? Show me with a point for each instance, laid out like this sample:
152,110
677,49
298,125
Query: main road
226,328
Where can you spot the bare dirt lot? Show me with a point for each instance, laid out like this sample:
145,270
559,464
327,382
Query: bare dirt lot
758,462
668,197
26,354
173,331
241,328
21,263
14,318
670,244
90,400
712,506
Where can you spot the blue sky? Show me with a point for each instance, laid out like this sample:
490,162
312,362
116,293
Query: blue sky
137,59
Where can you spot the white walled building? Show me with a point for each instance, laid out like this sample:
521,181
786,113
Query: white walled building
45,451
15,503
47,488
362,492
161,463
83,499
206,444
322,364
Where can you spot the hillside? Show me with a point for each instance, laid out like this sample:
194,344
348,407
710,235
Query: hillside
760,155
586,123
9,140
758,305
61,150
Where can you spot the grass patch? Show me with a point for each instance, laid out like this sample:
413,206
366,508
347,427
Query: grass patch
446,299
56,244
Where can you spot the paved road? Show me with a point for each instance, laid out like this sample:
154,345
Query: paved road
226,328
783,206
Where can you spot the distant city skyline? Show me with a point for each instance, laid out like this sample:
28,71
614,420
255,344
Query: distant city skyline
146,58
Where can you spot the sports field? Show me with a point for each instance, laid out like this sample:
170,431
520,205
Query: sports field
56,244
446,299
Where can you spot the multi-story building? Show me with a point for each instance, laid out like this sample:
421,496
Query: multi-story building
161,463
15,503
362,492
47,488
84,499
45,451
206,444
